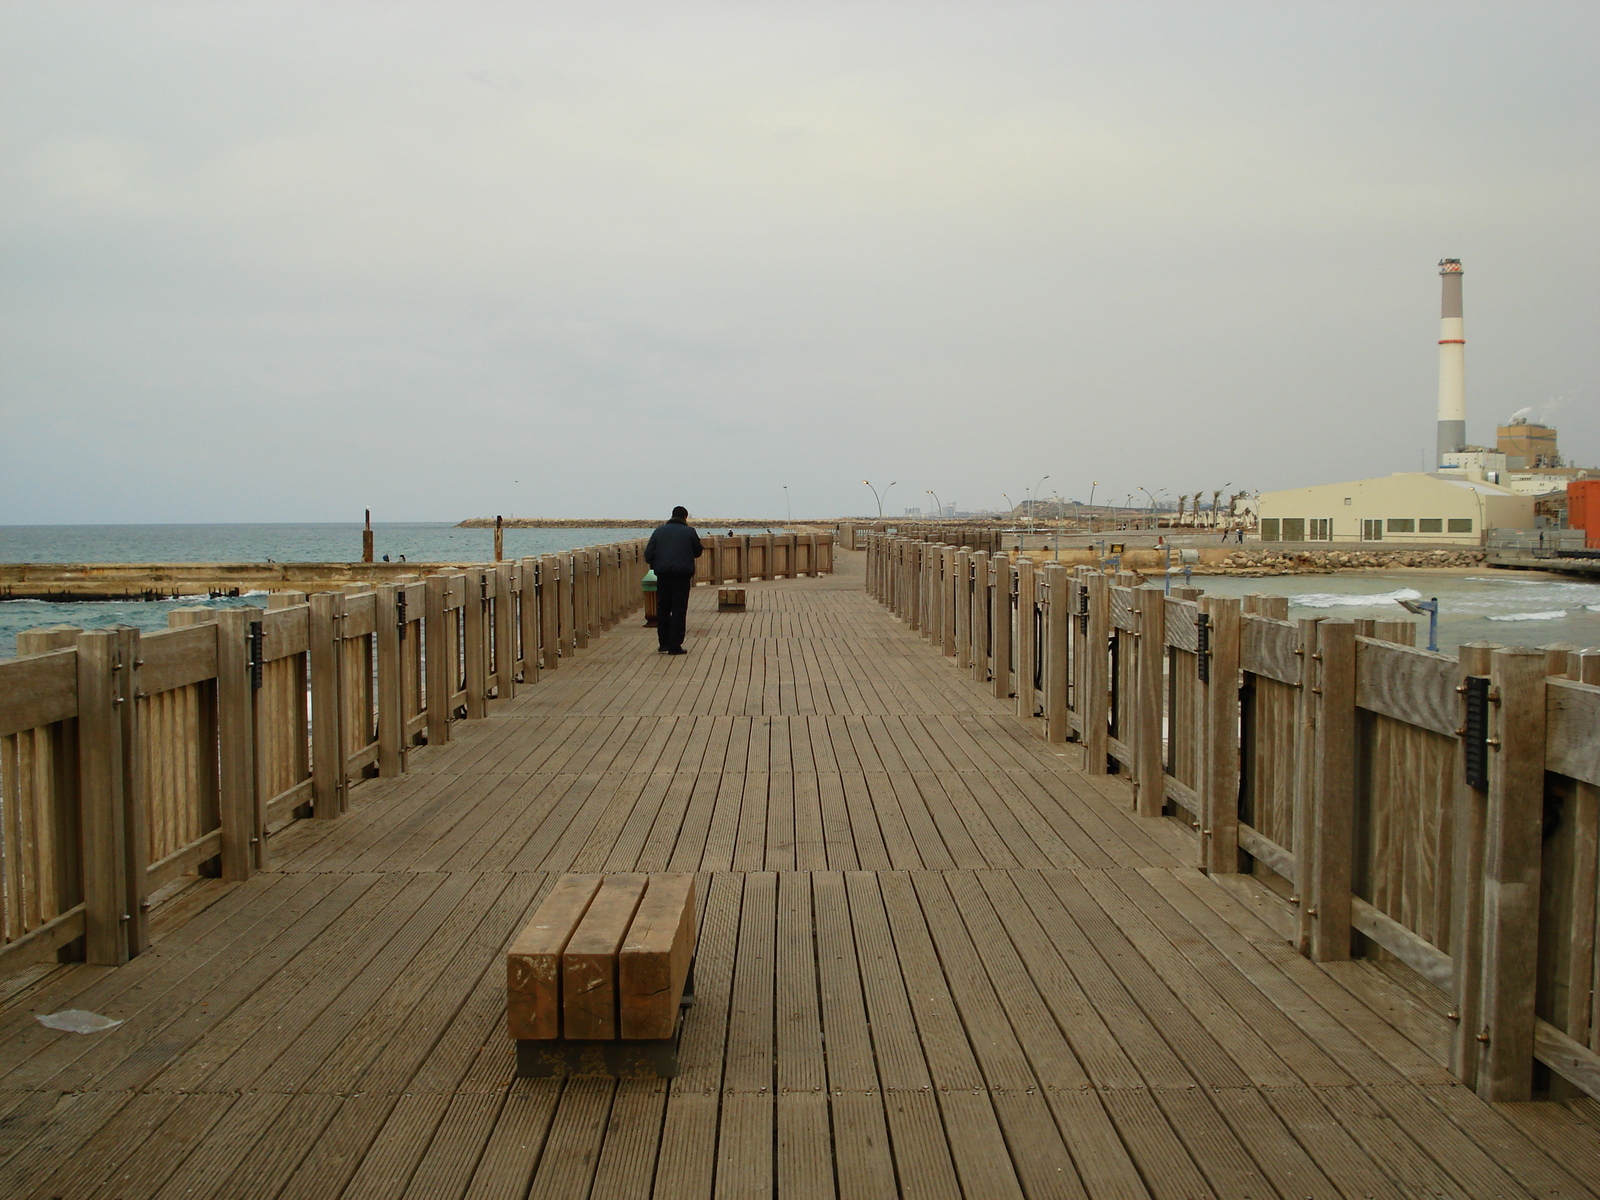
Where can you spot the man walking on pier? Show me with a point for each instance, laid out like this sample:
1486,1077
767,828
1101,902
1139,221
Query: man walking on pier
671,552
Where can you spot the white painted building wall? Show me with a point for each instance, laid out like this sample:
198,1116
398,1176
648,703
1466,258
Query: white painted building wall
1406,507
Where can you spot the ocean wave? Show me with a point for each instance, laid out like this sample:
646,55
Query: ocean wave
1553,615
1592,607
1343,600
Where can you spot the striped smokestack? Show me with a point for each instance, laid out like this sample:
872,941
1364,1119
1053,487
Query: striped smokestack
1452,362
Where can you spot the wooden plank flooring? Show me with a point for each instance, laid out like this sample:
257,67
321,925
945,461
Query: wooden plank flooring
935,959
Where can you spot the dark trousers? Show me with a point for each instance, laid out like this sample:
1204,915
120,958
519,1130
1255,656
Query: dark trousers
672,607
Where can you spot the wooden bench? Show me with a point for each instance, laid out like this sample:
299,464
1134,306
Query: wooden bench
596,983
730,599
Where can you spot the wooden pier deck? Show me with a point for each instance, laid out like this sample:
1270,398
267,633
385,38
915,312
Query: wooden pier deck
936,959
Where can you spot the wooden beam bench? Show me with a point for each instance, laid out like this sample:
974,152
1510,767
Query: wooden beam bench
596,983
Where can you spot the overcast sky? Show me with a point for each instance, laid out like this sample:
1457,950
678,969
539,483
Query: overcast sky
274,261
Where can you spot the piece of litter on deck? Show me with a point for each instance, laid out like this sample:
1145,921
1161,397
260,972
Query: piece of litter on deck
76,1020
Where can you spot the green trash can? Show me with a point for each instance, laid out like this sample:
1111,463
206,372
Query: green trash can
648,587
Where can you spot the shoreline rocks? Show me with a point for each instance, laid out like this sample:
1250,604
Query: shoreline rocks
1263,561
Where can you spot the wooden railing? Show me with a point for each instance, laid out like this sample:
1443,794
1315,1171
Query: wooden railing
128,760
1438,810
744,557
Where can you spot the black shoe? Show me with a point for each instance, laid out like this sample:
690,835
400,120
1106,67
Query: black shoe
677,650
662,650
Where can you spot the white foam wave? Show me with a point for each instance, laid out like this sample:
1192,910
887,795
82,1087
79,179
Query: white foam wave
1554,615
1592,607
1345,600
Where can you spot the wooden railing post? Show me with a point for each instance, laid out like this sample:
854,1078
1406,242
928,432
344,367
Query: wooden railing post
439,665
567,587
327,738
1150,647
528,614
1000,625
243,829
1094,703
1511,866
947,601
963,609
475,643
101,783
1303,816
1058,619
980,617
1027,648
1219,798
389,696
1325,887
549,613
1471,809
505,632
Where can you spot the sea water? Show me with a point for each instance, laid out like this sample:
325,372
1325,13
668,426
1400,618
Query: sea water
420,542
1510,608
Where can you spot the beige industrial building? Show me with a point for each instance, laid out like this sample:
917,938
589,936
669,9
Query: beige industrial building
1404,507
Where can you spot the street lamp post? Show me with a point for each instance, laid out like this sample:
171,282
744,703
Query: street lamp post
1093,483
787,507
1033,499
877,497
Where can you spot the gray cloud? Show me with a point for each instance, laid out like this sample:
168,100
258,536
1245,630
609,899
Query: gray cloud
276,261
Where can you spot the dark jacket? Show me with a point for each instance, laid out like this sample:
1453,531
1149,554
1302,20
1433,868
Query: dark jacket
672,549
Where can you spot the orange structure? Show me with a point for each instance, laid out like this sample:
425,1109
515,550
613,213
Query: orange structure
1583,510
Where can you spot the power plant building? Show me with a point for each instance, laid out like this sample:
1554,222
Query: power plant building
1410,506
1472,490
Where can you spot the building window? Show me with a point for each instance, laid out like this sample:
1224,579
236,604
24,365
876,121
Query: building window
1402,525
1347,501
1371,530
1269,529
1460,525
1321,529
1430,525
1294,529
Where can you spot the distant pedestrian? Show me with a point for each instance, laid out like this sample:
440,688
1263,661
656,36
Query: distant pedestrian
671,552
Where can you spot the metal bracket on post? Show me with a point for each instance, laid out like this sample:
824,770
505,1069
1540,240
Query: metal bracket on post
1202,657
254,645
1475,731
400,615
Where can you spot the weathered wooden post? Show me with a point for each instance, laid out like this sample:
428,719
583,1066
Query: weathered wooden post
1325,890
568,588
1150,647
390,694
366,539
1027,648
1057,667
103,799
1000,625
549,612
1470,801
475,642
1218,659
505,631
528,617
1094,702
323,644
1303,816
499,538
440,659
243,829
963,609
1511,865
980,617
